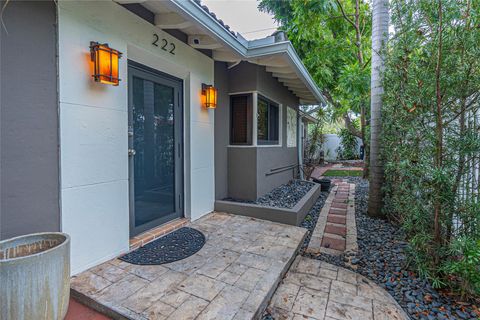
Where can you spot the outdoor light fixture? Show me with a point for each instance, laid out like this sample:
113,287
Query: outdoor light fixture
105,62
209,95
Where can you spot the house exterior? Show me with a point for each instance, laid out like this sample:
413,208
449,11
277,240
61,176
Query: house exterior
106,162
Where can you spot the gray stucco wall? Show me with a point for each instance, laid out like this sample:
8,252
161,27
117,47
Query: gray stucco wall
29,177
242,77
245,172
222,129
269,158
242,173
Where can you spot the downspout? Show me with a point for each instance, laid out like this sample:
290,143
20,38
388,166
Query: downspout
299,146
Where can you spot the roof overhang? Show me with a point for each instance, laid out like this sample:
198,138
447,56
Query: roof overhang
307,117
204,30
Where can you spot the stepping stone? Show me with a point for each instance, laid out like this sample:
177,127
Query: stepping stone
338,211
332,243
336,219
341,231
339,205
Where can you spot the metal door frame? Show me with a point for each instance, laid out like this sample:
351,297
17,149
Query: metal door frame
141,71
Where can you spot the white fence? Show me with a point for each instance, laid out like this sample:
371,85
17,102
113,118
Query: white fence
330,147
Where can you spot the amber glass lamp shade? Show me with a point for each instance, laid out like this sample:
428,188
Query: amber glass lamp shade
105,61
209,96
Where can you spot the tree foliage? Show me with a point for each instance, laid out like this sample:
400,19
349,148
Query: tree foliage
431,136
333,45
348,149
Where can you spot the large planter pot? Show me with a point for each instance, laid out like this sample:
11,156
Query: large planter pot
35,276
325,183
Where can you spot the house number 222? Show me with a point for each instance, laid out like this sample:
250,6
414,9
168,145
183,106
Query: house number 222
164,44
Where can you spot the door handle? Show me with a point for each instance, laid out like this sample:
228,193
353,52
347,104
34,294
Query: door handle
131,152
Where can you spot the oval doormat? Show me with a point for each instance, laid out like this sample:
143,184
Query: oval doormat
178,245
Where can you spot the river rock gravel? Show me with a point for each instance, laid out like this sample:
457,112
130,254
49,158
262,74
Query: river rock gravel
285,196
382,257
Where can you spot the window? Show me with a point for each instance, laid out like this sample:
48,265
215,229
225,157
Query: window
240,119
267,121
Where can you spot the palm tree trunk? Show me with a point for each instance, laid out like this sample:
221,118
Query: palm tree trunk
379,39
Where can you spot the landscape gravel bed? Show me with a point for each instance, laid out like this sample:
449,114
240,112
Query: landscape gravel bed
382,257
285,196
310,220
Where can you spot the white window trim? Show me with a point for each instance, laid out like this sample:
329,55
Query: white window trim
255,144
280,120
254,120
240,146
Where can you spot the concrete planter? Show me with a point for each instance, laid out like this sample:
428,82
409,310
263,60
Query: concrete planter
292,216
35,276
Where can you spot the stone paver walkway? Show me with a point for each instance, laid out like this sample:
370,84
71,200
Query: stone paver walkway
336,231
317,290
232,277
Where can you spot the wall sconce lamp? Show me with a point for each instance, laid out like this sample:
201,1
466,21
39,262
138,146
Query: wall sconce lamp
105,61
209,95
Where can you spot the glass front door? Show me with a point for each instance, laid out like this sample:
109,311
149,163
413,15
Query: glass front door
155,148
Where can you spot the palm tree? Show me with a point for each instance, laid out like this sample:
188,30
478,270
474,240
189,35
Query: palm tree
379,39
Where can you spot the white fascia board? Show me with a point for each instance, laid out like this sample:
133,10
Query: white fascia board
242,47
292,54
200,16
287,47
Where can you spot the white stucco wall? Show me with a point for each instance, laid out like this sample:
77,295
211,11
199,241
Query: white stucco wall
331,144
94,123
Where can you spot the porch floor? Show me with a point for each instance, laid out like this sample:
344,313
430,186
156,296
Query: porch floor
232,277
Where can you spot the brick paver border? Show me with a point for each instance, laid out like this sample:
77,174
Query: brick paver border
336,231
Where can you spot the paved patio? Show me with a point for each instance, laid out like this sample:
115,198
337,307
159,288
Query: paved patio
232,277
317,290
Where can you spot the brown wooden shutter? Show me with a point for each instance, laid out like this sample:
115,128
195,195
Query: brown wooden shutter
239,120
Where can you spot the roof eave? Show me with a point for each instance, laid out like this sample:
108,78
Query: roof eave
196,13
287,47
241,46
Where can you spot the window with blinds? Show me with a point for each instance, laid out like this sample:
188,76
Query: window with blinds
240,119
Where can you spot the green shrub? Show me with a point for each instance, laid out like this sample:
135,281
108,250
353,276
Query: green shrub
348,149
431,137
464,264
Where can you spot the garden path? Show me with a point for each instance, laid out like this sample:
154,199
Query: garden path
316,290
336,232
237,273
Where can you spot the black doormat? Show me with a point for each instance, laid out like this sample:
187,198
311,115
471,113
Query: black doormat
178,245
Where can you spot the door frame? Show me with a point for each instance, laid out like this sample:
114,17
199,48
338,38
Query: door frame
147,73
